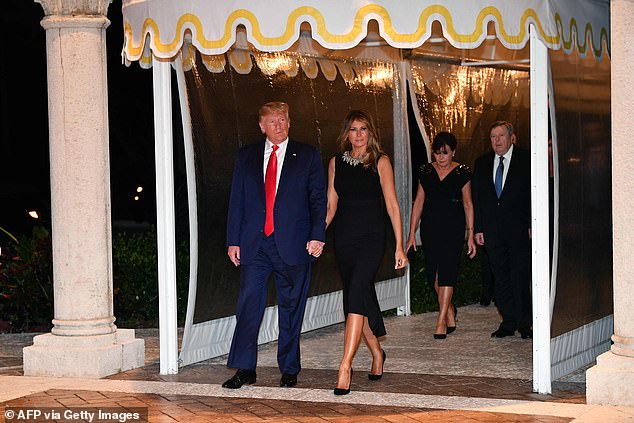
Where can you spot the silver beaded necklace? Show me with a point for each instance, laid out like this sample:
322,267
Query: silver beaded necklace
353,161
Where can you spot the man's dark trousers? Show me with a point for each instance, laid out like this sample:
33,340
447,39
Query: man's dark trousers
291,284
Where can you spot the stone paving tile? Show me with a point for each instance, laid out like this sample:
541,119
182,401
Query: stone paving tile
10,361
209,409
12,343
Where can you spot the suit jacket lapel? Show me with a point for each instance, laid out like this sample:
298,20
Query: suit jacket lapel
510,175
490,183
289,163
258,161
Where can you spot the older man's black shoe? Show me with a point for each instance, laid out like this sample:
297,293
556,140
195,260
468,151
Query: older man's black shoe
288,380
502,333
526,333
241,377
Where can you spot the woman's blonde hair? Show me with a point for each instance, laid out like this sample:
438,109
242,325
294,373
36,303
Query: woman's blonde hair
373,149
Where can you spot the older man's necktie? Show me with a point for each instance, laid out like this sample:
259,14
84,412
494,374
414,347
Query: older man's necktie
270,180
499,175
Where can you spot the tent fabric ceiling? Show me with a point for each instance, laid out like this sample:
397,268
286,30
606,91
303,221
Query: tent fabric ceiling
162,25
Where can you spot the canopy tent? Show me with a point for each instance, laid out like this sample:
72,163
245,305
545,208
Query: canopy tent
408,33
275,26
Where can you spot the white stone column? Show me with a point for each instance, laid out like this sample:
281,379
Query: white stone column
611,381
84,341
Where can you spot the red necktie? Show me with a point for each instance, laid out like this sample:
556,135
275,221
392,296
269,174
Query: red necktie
269,190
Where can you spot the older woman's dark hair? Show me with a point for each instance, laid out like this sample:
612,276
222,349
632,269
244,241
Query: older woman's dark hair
442,139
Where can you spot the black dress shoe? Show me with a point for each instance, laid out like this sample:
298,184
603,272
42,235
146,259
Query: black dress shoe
288,380
241,377
377,377
342,391
485,302
502,333
526,333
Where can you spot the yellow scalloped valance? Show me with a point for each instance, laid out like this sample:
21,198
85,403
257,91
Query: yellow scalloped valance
161,25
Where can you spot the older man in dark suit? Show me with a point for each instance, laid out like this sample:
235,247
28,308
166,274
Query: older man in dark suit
501,198
276,225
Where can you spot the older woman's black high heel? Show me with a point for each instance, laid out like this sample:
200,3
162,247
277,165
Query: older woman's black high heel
452,329
377,377
342,391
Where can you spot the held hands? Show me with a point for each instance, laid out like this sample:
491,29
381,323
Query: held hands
315,248
234,254
400,259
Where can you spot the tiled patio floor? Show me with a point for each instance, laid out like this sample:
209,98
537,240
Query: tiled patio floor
469,377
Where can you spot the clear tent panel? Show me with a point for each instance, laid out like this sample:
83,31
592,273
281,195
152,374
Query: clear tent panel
465,100
584,269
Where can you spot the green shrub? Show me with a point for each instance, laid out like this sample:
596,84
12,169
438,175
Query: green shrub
135,279
26,281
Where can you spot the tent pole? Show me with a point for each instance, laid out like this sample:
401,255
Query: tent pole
554,243
539,213
163,142
192,203
403,165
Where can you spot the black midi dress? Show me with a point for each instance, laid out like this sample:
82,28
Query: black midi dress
359,238
442,226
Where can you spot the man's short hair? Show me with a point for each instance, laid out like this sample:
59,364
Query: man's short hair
273,107
507,125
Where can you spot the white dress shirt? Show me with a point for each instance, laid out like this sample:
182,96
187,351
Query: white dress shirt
280,153
507,164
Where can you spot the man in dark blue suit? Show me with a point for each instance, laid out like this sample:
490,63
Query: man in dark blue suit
502,206
276,224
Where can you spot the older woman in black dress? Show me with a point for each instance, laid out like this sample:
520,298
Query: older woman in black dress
360,191
444,201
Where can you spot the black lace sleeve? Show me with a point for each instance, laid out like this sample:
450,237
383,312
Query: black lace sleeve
425,169
464,172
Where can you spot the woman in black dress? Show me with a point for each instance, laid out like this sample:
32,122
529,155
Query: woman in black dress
444,201
360,191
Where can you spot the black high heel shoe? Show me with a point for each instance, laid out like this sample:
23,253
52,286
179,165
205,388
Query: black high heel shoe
452,329
440,335
377,377
342,391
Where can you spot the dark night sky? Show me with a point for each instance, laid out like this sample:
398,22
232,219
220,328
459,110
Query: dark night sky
24,159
